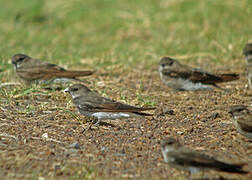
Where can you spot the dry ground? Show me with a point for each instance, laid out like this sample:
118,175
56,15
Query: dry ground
39,126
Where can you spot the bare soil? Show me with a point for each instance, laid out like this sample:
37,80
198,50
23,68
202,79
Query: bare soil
38,129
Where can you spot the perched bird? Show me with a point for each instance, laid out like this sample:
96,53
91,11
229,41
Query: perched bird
247,51
91,104
182,77
33,70
185,159
242,119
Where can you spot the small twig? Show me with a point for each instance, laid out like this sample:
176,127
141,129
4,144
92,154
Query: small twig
9,136
10,84
45,137
54,140
5,124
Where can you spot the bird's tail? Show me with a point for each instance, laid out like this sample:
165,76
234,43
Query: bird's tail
142,113
234,168
228,77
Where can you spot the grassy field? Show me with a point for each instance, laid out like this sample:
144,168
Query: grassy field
124,41
107,32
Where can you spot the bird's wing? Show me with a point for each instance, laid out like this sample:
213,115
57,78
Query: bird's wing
194,159
43,65
99,103
52,67
194,75
49,71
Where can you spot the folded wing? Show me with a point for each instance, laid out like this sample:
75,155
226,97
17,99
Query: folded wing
107,105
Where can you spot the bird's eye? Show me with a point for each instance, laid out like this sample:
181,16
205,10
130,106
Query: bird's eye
241,110
75,89
170,63
20,59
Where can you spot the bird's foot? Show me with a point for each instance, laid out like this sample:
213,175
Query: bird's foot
94,122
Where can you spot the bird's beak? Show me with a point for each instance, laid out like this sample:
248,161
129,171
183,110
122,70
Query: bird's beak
66,90
14,64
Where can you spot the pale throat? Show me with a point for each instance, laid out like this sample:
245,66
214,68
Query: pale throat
75,95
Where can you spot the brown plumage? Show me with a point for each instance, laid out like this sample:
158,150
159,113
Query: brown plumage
242,119
30,69
176,75
184,158
91,104
227,77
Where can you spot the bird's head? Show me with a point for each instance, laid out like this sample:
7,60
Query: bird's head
77,90
170,144
238,110
18,59
166,64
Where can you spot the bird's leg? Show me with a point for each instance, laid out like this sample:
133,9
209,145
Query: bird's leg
94,121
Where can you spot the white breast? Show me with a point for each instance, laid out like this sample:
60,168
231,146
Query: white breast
188,85
110,115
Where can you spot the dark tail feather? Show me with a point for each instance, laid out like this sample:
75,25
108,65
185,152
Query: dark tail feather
229,77
146,108
142,113
233,168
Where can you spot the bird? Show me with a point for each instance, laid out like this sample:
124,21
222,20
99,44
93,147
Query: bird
32,70
186,159
91,104
247,51
181,77
242,119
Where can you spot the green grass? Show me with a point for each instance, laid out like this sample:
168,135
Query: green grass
128,32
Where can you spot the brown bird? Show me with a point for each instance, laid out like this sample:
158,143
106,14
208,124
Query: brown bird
182,77
91,104
242,119
33,70
186,159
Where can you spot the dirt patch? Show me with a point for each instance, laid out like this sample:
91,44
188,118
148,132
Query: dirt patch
42,132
